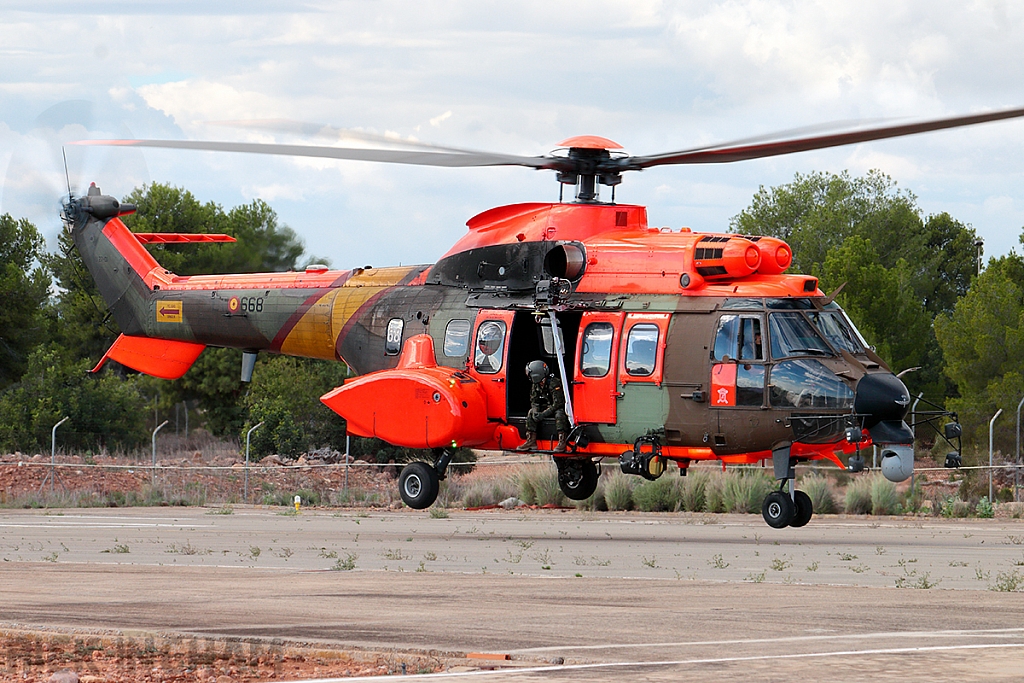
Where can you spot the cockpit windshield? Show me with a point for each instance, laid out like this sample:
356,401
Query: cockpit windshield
791,334
837,331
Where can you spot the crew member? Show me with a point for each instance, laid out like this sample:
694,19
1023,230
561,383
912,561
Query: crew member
547,399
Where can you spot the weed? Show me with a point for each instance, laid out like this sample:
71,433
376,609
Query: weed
879,550
981,575
718,562
52,557
254,552
578,575
544,558
847,557
284,553
395,554
651,562
780,564
430,557
187,549
1015,540
438,513
328,554
757,578
119,548
984,508
813,566
224,510
858,568
957,563
346,565
422,567
1008,582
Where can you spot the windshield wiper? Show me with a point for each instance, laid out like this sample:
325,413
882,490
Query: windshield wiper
822,352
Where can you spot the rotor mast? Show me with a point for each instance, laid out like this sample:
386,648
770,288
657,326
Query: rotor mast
589,163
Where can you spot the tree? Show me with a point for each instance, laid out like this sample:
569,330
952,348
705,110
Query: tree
901,270
24,288
104,408
982,341
285,396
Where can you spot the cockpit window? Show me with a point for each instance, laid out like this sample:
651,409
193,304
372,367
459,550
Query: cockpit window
833,325
807,384
792,335
739,338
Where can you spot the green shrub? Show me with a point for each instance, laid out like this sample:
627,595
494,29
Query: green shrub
692,496
885,500
858,496
660,495
744,490
953,506
984,509
545,487
526,483
714,493
822,497
618,492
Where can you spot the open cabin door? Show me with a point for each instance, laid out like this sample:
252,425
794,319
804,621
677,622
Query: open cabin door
489,364
595,377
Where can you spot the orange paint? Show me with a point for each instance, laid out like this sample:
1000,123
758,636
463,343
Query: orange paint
723,385
163,358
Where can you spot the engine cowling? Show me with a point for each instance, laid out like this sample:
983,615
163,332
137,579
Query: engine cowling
416,405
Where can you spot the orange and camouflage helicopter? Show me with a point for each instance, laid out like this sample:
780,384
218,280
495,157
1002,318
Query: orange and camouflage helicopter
672,346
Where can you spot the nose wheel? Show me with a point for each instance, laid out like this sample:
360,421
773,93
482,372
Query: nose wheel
787,508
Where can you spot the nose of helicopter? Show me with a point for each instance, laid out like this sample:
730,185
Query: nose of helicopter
884,401
883,397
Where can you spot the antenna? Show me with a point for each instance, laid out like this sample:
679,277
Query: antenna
67,177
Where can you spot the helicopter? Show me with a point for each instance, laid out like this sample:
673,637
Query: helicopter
673,347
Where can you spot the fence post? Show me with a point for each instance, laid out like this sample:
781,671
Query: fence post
1016,470
245,494
53,452
162,425
991,422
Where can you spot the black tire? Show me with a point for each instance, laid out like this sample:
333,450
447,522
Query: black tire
804,509
778,510
577,477
418,485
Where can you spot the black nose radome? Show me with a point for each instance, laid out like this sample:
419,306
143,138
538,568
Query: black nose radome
882,397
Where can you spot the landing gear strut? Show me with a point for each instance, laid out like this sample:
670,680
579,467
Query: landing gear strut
419,482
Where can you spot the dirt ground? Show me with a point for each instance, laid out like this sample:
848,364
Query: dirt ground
36,656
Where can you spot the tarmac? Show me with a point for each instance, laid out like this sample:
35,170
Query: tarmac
566,595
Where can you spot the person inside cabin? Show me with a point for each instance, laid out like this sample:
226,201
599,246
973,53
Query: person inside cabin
547,399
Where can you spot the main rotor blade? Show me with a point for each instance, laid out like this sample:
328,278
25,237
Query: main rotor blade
742,150
337,134
446,159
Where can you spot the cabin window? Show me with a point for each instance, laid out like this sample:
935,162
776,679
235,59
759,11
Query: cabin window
456,338
490,345
739,338
547,337
393,339
596,355
642,350
750,384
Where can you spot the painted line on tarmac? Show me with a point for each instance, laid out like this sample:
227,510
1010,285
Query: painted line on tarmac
678,662
785,639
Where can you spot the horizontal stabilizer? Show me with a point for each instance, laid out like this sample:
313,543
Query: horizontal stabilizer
181,237
162,358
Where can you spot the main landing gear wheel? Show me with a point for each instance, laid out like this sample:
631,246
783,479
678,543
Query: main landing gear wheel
418,485
778,510
804,509
577,477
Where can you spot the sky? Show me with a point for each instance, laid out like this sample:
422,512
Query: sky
512,77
